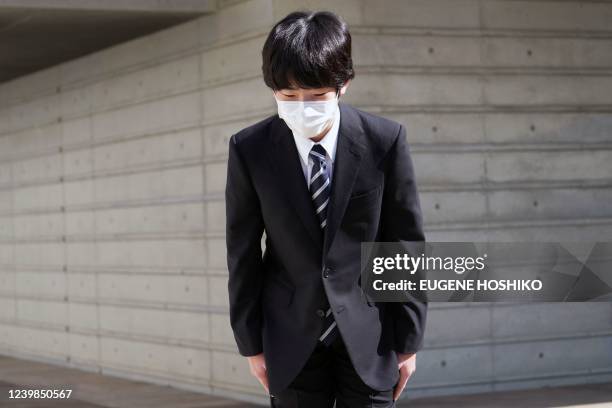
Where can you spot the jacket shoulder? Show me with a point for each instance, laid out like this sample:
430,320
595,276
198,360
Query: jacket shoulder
380,132
254,134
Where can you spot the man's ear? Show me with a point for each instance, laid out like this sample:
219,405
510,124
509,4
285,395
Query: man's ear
344,87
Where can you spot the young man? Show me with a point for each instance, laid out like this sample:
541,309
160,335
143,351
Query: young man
319,177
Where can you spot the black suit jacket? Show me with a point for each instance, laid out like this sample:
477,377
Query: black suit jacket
274,297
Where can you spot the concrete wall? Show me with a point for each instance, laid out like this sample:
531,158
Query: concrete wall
112,171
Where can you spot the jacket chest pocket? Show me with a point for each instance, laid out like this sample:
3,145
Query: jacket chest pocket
359,202
361,218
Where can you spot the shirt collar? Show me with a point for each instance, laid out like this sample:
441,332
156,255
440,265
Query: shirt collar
329,141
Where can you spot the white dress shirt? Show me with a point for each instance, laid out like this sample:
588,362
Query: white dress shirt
329,142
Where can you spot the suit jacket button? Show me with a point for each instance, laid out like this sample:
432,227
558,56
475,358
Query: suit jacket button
321,312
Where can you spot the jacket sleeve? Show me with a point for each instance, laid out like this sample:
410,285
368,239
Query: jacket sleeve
244,229
401,220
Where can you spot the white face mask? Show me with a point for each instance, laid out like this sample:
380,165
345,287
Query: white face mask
307,118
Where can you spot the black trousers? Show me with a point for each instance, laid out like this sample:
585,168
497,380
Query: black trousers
327,377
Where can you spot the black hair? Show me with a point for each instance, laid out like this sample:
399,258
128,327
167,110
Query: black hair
308,50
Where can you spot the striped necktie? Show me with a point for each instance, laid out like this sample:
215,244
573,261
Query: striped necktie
320,193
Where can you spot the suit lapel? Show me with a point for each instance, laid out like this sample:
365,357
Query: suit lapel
349,152
285,159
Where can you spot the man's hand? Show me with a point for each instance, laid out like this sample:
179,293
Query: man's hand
257,364
407,366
